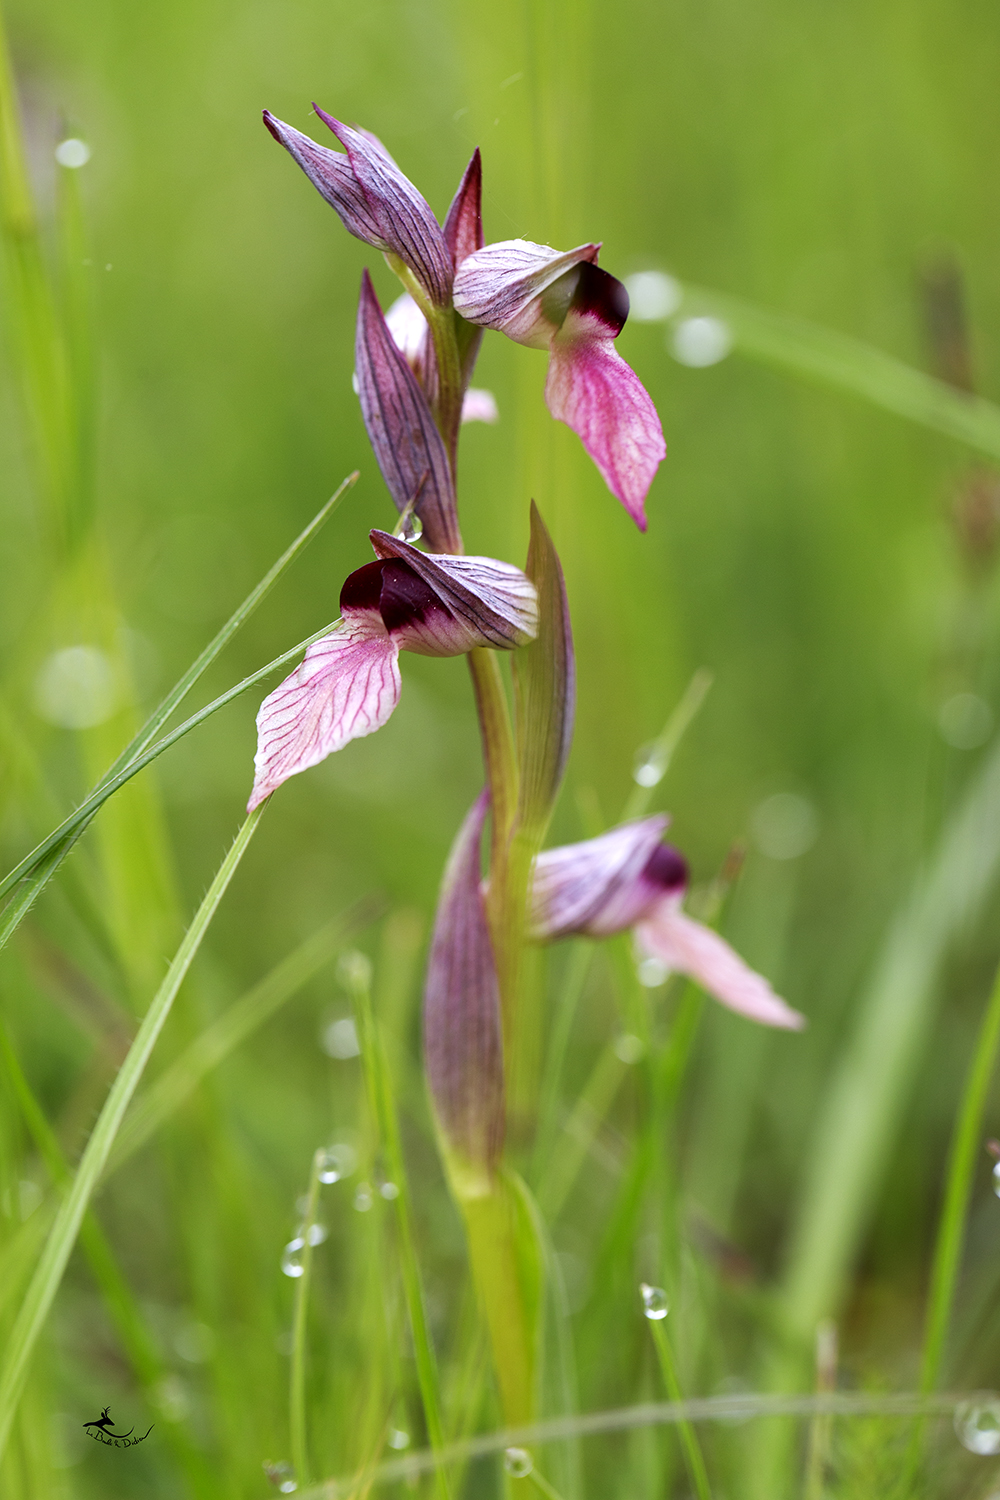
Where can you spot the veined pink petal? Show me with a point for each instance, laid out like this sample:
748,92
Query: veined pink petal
595,887
691,948
502,286
463,1049
346,687
495,599
480,406
593,390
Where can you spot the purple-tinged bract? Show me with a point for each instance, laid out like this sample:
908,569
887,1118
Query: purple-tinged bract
463,1047
375,201
407,444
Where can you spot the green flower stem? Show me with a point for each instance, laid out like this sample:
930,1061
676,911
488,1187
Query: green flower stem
383,1107
689,1438
954,1213
498,740
450,381
62,1237
510,856
507,1276
297,1380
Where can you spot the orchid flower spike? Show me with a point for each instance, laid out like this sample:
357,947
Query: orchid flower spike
349,684
629,878
565,303
375,201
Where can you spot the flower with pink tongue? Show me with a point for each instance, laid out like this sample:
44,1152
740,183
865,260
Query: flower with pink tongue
628,878
565,303
349,683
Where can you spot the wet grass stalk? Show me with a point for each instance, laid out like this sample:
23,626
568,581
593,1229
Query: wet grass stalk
300,1330
966,1145
382,1103
62,1237
690,1445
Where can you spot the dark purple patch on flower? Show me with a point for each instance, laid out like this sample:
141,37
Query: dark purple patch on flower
602,296
392,588
363,588
406,599
667,868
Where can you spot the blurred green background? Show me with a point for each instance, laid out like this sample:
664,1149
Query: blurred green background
824,160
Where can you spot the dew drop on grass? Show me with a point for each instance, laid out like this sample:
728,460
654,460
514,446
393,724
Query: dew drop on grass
651,973
978,1426
654,1302
517,1462
996,1179
700,342
317,1233
363,1199
653,295
398,1439
340,1039
76,688
72,153
629,1048
291,1257
413,530
336,1161
965,721
650,766
389,1191
282,1476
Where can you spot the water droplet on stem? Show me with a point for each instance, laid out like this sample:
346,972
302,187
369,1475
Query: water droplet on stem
654,1302
291,1257
978,1426
517,1462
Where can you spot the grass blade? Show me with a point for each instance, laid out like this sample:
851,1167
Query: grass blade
383,1108
132,753
747,1407
951,1230
860,1114
232,1028
848,364
73,827
48,1274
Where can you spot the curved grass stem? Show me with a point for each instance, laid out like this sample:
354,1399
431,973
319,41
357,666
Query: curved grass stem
954,1212
48,1273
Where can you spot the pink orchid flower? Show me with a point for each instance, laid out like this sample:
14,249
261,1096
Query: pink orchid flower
349,683
628,878
565,303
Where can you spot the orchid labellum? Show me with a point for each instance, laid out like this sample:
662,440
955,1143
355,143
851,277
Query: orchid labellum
349,684
627,879
565,303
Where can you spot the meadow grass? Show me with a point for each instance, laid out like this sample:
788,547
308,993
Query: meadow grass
177,328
